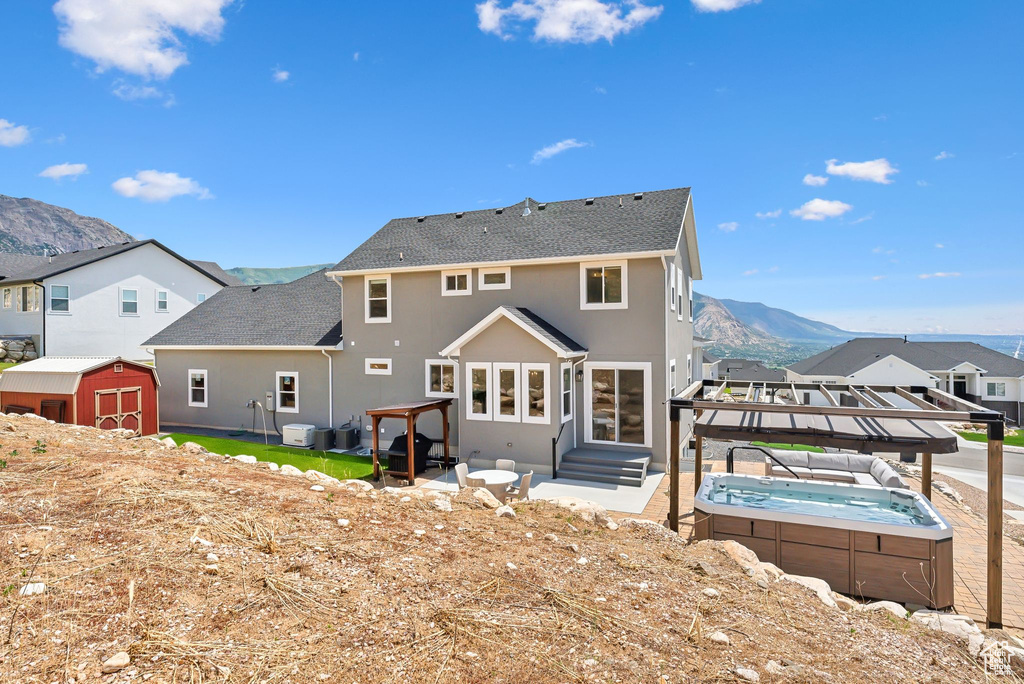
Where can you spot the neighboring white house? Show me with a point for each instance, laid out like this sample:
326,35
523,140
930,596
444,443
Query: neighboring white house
101,302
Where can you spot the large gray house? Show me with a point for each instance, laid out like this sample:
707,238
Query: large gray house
563,320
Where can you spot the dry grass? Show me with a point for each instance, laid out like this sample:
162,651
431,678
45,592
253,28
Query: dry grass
120,531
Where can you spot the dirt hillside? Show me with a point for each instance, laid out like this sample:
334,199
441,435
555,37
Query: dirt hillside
163,565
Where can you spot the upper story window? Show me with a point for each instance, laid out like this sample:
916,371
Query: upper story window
28,299
378,299
679,295
672,286
672,389
197,388
8,297
689,281
200,298
496,278
455,283
60,299
287,392
161,301
129,302
441,379
603,285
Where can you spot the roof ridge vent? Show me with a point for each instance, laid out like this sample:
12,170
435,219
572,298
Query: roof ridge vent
588,201
256,288
638,195
420,219
620,203
498,211
542,206
459,214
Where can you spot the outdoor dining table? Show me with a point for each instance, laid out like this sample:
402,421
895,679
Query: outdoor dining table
496,481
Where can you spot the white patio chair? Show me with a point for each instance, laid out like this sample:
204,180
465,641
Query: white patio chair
461,471
505,464
522,492
475,481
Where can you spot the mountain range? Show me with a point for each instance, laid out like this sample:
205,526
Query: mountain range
28,226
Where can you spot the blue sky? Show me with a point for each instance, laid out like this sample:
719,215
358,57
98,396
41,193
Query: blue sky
274,134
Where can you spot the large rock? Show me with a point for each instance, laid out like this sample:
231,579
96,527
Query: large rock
818,586
649,526
29,355
116,662
588,510
193,448
321,478
951,623
485,497
288,469
357,485
890,606
245,458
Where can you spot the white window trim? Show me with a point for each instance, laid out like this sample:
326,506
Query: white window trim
156,301
386,277
588,399
679,295
689,281
689,369
672,286
454,394
445,292
470,367
206,387
49,301
561,395
624,304
204,298
377,371
121,302
525,392
8,295
672,385
18,299
994,395
277,392
507,285
517,399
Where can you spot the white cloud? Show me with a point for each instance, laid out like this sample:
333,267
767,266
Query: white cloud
940,274
866,217
11,135
279,75
751,272
355,56
811,179
139,37
721,5
728,227
556,148
769,214
922,184
130,92
878,277
944,155
566,21
773,269
601,90
819,209
939,245
883,250
158,186
58,171
876,170
882,117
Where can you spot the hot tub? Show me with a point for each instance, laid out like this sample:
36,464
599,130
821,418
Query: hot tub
868,542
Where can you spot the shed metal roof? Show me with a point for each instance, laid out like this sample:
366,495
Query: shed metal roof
58,374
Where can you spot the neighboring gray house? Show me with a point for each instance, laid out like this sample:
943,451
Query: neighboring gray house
565,320
101,302
964,369
748,370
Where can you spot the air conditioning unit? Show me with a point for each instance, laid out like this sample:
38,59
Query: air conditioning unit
298,435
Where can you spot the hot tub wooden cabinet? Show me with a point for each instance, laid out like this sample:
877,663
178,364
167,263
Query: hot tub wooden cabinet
864,563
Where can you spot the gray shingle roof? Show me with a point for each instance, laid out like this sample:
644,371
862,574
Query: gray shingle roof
755,372
21,268
568,345
304,313
560,229
859,353
214,269
708,358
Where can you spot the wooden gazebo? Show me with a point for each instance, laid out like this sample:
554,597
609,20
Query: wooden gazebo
409,413
870,408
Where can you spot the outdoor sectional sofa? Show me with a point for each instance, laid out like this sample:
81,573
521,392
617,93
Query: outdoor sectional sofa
861,469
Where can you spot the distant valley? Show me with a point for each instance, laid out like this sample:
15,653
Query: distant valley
271,276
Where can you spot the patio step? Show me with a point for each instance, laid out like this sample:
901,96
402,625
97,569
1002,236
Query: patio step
625,468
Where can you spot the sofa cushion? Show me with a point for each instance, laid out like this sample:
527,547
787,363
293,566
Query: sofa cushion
886,474
829,462
832,475
791,458
802,473
860,463
865,479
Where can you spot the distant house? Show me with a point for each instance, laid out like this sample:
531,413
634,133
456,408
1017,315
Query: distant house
558,329
749,370
964,369
101,302
707,366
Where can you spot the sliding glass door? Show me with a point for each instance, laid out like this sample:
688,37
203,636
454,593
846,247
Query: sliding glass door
619,403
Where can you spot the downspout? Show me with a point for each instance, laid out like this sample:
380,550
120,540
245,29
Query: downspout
42,310
330,388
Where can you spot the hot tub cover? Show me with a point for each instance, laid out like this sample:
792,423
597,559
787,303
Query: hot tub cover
866,435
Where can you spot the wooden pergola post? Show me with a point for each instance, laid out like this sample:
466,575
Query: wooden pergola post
375,422
926,476
673,470
995,525
410,449
698,454
444,433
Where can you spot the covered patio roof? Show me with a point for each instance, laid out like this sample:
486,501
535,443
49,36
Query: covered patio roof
408,412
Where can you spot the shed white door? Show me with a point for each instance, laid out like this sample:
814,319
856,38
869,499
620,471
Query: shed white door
119,408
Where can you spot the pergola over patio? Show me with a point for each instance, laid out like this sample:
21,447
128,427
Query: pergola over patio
409,413
868,422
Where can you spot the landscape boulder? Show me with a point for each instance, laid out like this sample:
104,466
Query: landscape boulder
321,478
290,470
193,448
485,497
818,586
245,458
588,510
356,485
951,623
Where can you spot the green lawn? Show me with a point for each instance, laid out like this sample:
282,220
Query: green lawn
341,466
1015,439
789,447
5,365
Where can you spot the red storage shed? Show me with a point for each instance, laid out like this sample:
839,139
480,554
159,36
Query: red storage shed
105,392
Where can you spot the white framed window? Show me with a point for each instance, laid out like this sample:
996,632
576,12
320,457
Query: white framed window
8,297
378,299
198,389
161,301
672,286
566,395
457,283
378,366
689,370
603,285
535,404
60,299
478,384
618,403
995,389
506,397
200,298
679,295
28,299
672,387
442,379
496,278
129,301
689,287
287,392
